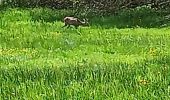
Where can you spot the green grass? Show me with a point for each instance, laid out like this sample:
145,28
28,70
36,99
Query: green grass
39,60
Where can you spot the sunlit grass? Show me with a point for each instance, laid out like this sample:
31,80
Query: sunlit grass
40,60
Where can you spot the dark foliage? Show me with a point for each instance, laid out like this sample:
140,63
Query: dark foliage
102,7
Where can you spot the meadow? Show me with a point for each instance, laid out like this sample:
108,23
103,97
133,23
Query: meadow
116,58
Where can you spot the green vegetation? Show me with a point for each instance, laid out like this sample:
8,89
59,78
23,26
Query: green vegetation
116,58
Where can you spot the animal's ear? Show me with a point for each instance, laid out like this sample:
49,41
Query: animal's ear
84,19
87,20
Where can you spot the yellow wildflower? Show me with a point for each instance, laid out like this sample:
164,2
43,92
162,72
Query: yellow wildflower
152,51
143,82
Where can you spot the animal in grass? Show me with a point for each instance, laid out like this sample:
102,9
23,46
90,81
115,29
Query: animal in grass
76,22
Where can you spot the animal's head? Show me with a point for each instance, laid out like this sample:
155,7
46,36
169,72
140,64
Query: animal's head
85,22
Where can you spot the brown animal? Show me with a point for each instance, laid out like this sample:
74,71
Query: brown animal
75,22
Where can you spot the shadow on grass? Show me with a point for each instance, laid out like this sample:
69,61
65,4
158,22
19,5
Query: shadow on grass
126,22
49,15
133,18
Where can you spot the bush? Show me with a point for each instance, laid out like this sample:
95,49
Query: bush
89,7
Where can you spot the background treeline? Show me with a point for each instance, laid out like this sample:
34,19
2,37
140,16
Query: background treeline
90,6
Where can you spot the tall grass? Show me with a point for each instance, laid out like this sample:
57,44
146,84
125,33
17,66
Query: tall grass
40,60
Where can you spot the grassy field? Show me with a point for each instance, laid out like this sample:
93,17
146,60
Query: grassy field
39,60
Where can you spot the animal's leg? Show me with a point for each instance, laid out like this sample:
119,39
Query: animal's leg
76,27
64,25
68,26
